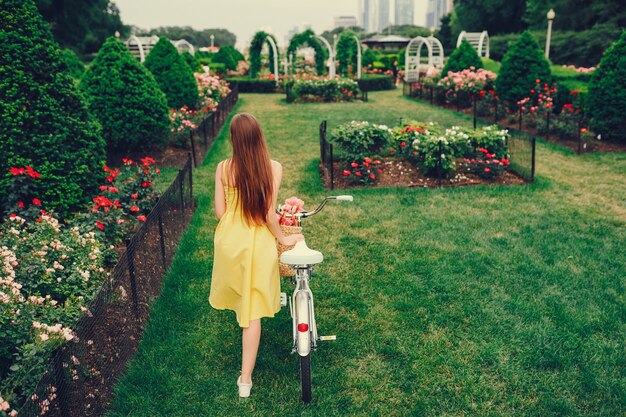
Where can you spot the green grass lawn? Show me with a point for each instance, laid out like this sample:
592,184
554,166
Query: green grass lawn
485,300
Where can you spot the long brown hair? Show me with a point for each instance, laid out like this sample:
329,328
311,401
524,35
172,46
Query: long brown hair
251,168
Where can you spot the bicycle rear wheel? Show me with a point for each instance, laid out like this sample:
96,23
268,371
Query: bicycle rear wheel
305,377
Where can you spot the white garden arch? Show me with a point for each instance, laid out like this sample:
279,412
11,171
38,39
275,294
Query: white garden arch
331,56
479,40
413,60
272,44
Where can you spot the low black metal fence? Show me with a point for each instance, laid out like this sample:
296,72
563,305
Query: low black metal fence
569,125
81,376
201,139
521,148
326,157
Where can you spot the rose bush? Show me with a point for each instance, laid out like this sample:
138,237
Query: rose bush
48,272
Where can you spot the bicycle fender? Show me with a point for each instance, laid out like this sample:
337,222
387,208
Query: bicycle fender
303,339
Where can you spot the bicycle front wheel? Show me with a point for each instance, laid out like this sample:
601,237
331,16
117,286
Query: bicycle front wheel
305,377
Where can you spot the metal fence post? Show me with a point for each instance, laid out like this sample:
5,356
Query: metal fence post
190,173
439,167
548,125
193,148
130,259
332,168
580,139
474,99
431,94
532,169
180,186
161,235
520,118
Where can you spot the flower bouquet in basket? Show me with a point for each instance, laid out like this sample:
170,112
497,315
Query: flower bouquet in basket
289,226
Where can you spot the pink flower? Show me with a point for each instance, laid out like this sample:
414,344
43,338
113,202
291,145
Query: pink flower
141,218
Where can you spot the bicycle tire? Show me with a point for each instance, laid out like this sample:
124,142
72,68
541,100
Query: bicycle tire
305,377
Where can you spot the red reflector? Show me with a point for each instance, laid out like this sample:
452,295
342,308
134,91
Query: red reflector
303,327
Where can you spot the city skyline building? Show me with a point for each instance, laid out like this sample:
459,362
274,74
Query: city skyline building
345,21
404,12
436,10
383,15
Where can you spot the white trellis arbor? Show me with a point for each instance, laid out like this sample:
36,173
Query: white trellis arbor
479,40
272,44
358,52
332,51
413,60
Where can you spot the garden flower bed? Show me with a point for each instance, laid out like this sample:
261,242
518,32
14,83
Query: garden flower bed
417,155
321,90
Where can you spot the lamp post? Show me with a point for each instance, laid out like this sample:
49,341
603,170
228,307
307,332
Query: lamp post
212,41
550,17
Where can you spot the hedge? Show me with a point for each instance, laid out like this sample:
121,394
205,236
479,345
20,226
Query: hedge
375,82
252,85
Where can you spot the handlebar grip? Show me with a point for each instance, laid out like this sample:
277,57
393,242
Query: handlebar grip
344,198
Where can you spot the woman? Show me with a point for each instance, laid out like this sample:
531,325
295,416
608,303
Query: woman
396,71
245,266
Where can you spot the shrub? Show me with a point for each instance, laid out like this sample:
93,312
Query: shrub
228,56
126,99
358,140
607,93
523,65
74,65
487,165
172,74
252,85
48,276
434,149
217,68
365,171
463,57
193,63
491,138
368,58
374,82
323,90
43,122
581,48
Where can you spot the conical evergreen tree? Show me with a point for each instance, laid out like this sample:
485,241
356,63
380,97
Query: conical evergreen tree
43,122
523,64
607,93
193,63
173,74
126,99
463,57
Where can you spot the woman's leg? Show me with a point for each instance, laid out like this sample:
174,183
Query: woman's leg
250,339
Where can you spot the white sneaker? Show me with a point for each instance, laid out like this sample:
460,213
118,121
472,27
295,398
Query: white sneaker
244,389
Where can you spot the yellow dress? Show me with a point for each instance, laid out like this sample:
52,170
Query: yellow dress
245,265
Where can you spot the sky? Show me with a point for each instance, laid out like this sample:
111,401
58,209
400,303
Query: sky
245,17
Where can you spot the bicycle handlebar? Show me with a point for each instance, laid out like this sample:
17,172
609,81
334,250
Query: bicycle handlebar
305,214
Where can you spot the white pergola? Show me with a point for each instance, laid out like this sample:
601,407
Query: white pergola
140,46
479,40
413,60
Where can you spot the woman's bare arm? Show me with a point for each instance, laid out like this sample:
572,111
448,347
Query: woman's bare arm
220,197
272,218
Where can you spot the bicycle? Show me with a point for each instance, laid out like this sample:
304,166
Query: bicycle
304,327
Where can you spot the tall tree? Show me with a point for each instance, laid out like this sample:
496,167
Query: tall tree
575,14
222,37
494,16
82,25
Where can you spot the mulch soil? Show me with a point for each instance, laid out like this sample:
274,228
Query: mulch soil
400,173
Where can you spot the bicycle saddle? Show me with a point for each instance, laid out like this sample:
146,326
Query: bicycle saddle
301,255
